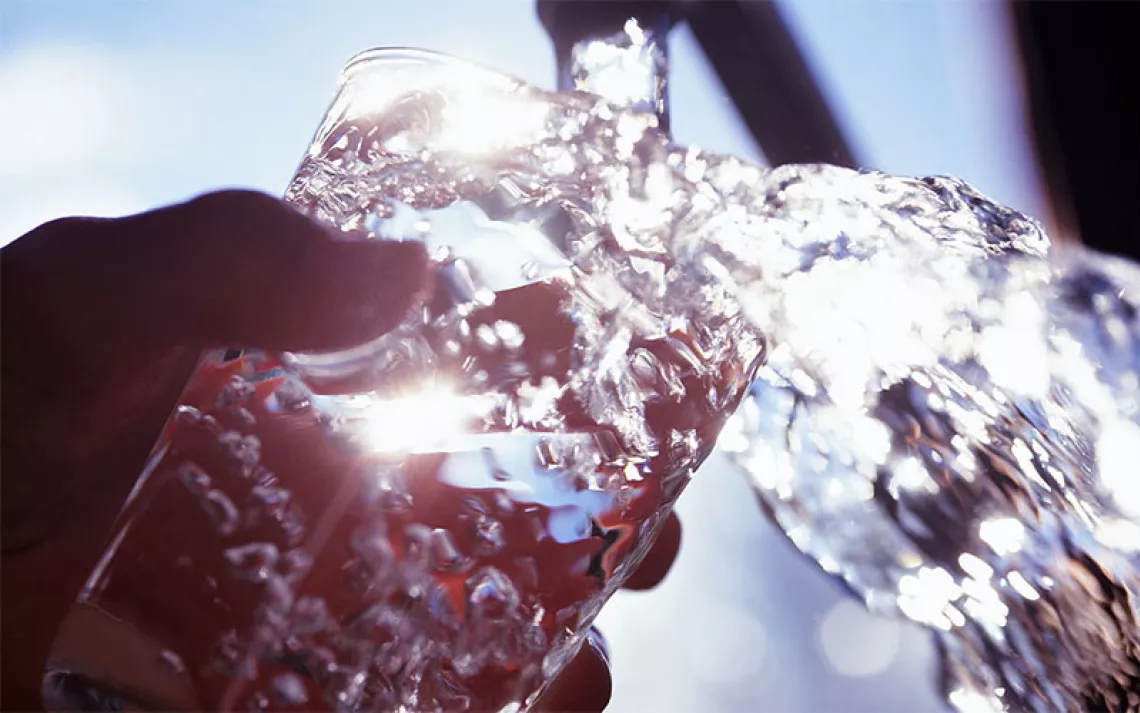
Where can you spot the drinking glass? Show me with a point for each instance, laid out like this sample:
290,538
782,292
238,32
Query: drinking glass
429,521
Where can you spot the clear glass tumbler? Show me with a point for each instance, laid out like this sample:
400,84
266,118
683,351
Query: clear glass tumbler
432,520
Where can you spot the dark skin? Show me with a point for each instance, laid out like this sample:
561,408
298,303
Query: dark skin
102,323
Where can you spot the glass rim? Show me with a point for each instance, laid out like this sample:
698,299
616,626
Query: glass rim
387,56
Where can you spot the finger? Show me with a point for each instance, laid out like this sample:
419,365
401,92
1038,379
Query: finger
660,558
584,686
232,267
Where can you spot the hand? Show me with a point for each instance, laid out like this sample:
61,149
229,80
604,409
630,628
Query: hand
103,321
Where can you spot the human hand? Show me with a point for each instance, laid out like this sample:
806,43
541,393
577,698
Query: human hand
103,322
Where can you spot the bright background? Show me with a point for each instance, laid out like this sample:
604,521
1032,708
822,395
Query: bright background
115,106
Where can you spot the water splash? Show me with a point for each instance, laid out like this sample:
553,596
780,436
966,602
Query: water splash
949,407
945,416
949,421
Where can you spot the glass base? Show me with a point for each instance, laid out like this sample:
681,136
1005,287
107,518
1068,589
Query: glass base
100,663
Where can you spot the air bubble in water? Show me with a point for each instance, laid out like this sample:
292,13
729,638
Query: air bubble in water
244,416
504,505
509,334
221,510
259,702
293,525
370,543
254,561
292,396
171,661
310,616
244,449
488,536
187,415
385,489
272,500
289,690
486,336
491,595
546,454
417,546
228,655
277,599
194,478
445,556
455,277
295,564
497,471
236,391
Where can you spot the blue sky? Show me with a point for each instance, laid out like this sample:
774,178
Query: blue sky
124,104
121,105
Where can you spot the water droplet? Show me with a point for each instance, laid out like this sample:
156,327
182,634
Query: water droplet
489,536
236,391
310,616
259,702
194,478
254,561
171,661
221,510
445,556
289,690
491,595
244,449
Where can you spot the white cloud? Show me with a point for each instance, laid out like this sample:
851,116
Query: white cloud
66,123
66,107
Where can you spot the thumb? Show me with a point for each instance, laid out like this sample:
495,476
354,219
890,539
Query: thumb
227,268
